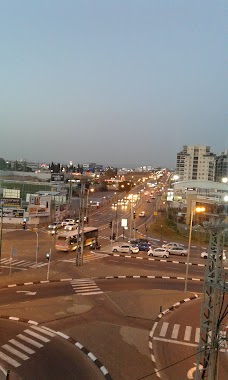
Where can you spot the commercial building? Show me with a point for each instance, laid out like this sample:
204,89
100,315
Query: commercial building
195,162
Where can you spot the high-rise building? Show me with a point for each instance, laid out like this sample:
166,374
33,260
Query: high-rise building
196,162
221,167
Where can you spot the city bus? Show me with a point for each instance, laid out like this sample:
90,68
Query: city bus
67,241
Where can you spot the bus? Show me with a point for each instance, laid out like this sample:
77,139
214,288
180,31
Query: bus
68,240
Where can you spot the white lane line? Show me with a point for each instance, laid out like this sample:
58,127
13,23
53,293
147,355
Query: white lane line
90,293
30,341
175,331
22,346
15,352
87,290
76,287
164,329
175,341
197,335
9,360
187,334
38,336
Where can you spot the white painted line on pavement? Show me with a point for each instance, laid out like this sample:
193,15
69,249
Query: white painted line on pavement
164,329
187,334
175,341
175,331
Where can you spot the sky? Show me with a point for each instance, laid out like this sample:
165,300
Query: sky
124,83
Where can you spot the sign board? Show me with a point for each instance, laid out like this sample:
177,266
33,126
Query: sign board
11,202
123,222
11,193
155,213
39,205
13,212
56,177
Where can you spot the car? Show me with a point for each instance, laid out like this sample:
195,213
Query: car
70,227
144,246
205,254
67,221
172,245
159,252
54,226
178,251
142,214
125,248
139,240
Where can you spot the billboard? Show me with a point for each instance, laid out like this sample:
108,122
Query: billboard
39,205
13,212
11,202
56,177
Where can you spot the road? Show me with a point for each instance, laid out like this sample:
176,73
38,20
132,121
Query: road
112,317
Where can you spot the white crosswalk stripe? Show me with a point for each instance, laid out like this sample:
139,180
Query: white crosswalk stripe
23,346
85,287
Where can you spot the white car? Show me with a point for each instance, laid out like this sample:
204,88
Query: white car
178,251
70,227
67,221
172,245
54,226
159,252
125,248
142,214
205,254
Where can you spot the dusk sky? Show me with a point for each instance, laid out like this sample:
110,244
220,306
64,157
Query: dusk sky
116,82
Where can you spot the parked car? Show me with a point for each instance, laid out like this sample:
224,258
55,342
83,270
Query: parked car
172,245
178,251
144,246
54,226
159,252
67,221
70,227
142,214
205,254
125,248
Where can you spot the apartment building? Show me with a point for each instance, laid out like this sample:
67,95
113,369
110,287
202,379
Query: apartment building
221,167
196,162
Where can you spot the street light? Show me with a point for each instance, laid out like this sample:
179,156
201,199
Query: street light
193,209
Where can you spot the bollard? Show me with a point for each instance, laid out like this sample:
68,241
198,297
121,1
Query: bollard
7,375
160,309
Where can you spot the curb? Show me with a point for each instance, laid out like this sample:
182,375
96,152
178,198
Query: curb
88,353
102,278
157,320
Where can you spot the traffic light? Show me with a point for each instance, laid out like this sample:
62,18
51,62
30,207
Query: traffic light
110,224
134,215
113,236
47,256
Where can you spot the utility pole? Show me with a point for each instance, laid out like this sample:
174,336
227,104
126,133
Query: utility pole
81,222
215,286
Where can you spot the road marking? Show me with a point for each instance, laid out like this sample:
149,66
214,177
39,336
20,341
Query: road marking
9,360
22,346
38,336
187,334
164,329
30,341
175,341
27,293
197,335
175,331
15,352
44,331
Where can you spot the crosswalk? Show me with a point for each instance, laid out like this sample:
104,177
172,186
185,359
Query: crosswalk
21,264
17,350
188,335
85,287
87,257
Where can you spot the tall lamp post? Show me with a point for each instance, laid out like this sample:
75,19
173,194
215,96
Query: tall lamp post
193,210
116,214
